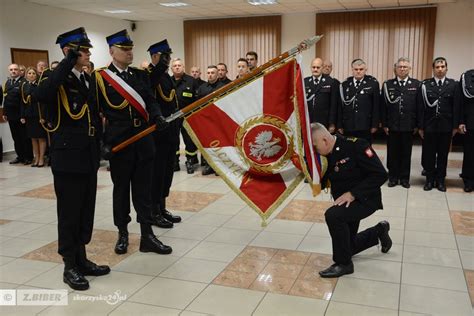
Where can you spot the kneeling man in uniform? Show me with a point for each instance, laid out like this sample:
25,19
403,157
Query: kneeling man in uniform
355,175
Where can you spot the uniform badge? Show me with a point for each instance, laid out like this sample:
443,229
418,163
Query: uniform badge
323,80
74,106
347,90
362,92
369,153
309,90
336,168
409,82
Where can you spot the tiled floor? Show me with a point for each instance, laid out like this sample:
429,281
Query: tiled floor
225,263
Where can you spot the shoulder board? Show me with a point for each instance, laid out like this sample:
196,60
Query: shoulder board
101,68
138,69
369,77
352,139
44,75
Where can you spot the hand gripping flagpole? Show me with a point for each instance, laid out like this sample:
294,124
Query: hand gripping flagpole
225,90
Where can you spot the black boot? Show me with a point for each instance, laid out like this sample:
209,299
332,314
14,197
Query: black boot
160,221
207,170
189,167
167,214
87,267
384,237
149,243
73,277
441,186
121,246
428,186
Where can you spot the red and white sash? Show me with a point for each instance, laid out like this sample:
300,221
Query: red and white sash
126,91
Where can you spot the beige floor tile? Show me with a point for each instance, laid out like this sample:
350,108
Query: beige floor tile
465,242
42,217
375,293
21,310
16,228
316,244
429,225
291,257
277,304
277,240
433,276
427,239
437,204
467,258
188,313
369,269
126,283
442,215
168,293
215,251
232,236
17,213
17,247
319,229
396,223
434,301
273,284
237,279
395,253
463,222
341,309
432,256
47,233
196,270
21,270
190,231
222,208
5,260
310,284
250,222
288,227
8,286
129,308
219,300
145,263
209,219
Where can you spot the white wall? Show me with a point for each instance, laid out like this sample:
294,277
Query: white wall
26,25
454,37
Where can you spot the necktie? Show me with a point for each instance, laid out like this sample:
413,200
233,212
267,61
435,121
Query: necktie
440,83
316,81
402,83
83,80
357,84
124,75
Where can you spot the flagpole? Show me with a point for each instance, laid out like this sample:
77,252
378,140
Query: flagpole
228,88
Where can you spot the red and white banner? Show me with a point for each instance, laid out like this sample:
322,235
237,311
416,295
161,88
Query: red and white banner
127,92
255,138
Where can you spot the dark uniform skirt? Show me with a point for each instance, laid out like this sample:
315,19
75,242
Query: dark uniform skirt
34,128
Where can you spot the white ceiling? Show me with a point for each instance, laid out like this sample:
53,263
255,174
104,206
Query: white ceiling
151,10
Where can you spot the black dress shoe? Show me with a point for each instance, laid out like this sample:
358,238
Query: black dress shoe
75,279
441,186
149,243
428,186
392,183
207,171
337,270
162,222
27,162
189,167
122,244
468,188
384,237
405,184
16,161
90,268
170,217
423,172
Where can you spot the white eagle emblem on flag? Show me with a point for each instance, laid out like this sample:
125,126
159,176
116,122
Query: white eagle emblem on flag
264,145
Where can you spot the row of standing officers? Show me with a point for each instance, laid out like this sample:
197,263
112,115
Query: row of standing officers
436,108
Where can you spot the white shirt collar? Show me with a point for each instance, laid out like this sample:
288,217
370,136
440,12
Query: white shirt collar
361,80
438,79
400,79
77,73
318,78
120,69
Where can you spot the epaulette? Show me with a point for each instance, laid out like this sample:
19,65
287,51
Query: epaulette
101,68
352,139
369,77
137,69
44,75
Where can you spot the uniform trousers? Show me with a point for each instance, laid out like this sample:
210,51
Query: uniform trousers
190,148
399,146
360,134
75,194
21,142
435,151
163,171
468,159
343,223
129,170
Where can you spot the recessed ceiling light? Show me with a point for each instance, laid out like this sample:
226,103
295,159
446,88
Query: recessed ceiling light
262,2
117,11
174,4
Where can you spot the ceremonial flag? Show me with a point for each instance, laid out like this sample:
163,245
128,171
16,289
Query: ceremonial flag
257,138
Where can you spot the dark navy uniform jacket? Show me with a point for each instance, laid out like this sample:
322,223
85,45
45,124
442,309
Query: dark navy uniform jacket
353,166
